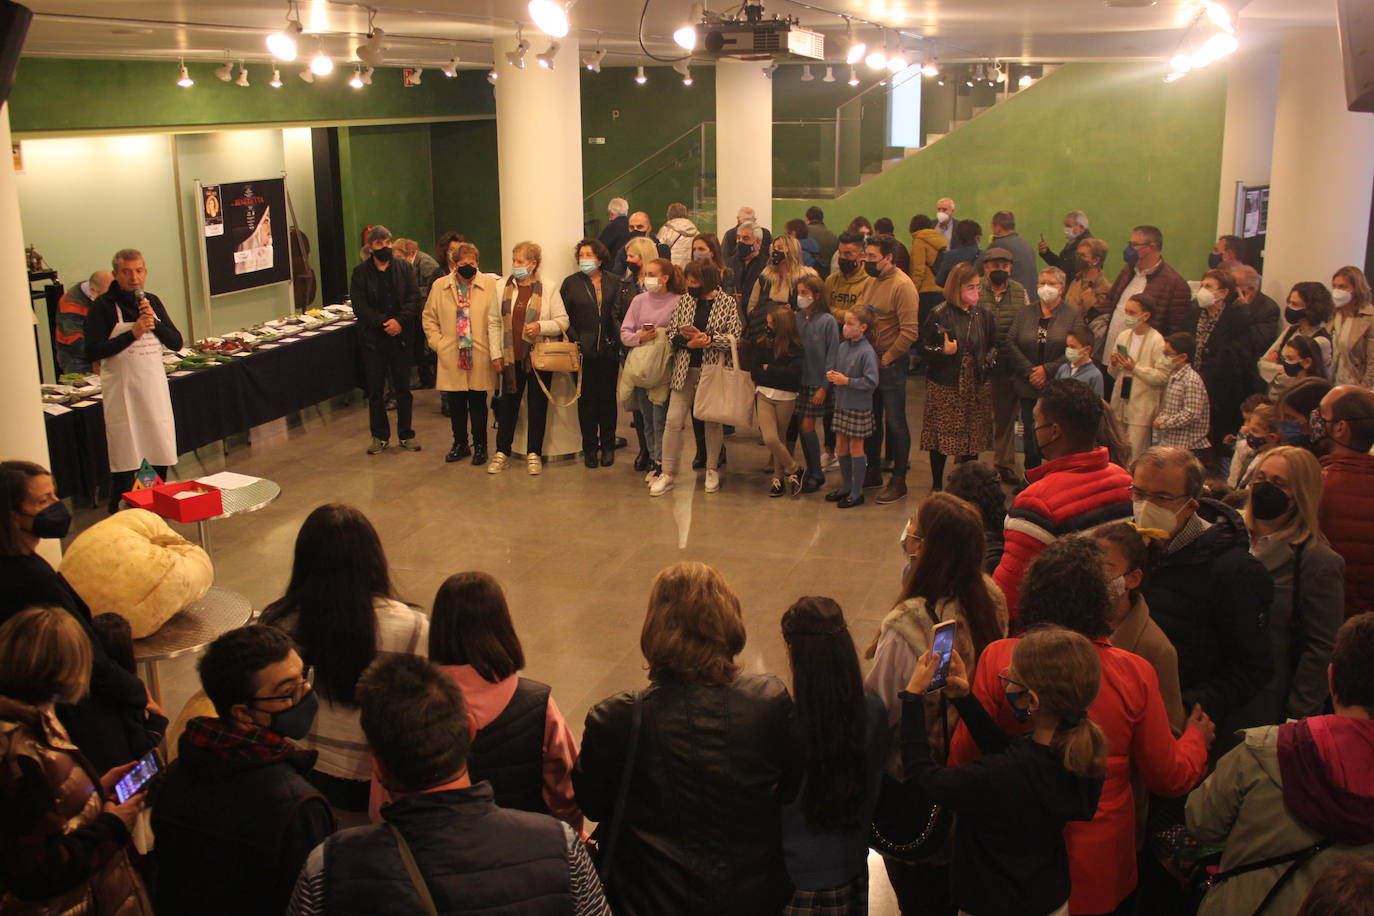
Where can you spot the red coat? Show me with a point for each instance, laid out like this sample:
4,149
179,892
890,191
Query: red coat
1066,495
1347,520
1129,709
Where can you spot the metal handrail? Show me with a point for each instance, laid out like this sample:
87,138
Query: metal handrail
662,149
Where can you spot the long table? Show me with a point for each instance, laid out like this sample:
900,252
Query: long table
218,402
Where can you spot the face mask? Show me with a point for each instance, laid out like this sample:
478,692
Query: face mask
52,521
1068,233
1213,261
382,254
776,257
1255,442
295,722
1174,364
872,268
1073,354
1130,321
1291,432
638,233
1341,297
998,277
743,250
1267,501
847,266
804,302
632,267
694,291
1116,588
520,273
1206,298
701,256
853,331
1019,713
1292,369
651,284
1047,293
1148,515
942,217
1130,255
970,297
467,271
587,265
1292,315
770,333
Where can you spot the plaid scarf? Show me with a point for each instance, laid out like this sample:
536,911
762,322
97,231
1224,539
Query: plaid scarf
464,329
232,741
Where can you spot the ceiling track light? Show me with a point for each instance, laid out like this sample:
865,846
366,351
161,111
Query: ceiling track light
282,44
897,62
372,51
276,78
807,76
307,75
321,64
550,17
450,69
183,77
225,71
357,81
853,77
640,77
979,73
829,74
931,68
546,60
592,61
684,67
367,76
685,36
493,76
516,58
855,48
243,75
876,59
1025,80
769,70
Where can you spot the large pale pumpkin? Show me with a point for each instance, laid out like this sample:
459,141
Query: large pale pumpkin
134,565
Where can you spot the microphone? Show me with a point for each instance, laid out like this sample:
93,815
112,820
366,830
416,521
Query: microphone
138,294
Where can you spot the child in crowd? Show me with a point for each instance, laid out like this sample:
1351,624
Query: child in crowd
1302,358
820,342
1141,372
856,376
143,728
1241,450
1014,802
1259,435
1078,353
1184,415
777,376
843,737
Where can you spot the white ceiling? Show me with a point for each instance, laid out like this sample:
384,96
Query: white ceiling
429,32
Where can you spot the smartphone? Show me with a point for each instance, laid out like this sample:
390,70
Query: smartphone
137,779
1124,350
942,644
647,326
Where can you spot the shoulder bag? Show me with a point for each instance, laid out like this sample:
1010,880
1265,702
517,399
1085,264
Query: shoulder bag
907,825
413,870
725,393
557,355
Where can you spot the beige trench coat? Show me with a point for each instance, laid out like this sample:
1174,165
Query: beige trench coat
440,322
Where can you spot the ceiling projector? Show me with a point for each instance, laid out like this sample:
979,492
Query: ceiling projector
753,37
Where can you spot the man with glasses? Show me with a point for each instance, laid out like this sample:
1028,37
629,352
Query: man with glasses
1146,272
235,817
1206,591
1342,435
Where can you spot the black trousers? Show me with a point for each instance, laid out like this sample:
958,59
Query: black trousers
596,409
461,406
383,361
426,360
508,412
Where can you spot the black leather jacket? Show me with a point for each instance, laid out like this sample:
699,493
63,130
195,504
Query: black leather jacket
975,328
593,322
702,827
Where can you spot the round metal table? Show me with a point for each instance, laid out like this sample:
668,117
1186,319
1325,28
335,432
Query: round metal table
190,631
240,501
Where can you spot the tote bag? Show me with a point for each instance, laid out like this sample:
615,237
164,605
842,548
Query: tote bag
725,393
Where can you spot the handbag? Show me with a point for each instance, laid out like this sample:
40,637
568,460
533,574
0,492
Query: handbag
556,355
725,393
907,825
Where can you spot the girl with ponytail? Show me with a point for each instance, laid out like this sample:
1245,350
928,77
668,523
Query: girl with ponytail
1013,804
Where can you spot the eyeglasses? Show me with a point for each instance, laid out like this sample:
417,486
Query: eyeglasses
1139,244
1139,495
1008,682
299,691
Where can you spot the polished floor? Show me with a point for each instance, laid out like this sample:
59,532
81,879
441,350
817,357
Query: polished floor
576,549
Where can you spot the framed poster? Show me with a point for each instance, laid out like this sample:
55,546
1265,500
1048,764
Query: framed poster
244,234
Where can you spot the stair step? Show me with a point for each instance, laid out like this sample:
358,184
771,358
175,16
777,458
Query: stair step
868,176
931,138
889,163
955,125
979,109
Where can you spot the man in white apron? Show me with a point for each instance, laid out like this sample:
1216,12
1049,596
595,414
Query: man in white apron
126,330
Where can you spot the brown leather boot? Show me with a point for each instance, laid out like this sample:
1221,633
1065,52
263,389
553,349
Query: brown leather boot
895,490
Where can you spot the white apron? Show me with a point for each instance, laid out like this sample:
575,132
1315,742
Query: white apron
138,407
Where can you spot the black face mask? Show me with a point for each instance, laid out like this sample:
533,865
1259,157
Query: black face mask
1292,315
382,254
998,277
743,250
872,269
1292,369
776,257
1267,501
632,267
1255,442
467,271
847,266
52,521
1213,261
295,722
638,233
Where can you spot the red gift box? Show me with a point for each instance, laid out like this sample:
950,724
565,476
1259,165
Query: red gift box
161,499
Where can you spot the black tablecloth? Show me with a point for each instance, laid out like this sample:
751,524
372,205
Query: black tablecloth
215,403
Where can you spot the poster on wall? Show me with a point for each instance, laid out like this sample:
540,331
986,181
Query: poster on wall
243,224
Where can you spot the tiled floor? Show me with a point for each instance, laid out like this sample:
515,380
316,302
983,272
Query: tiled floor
575,549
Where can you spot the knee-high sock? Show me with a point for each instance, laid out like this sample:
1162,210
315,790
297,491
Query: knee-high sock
811,450
858,465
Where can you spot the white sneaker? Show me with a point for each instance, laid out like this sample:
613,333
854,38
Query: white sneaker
649,477
498,463
534,464
829,462
662,484
712,480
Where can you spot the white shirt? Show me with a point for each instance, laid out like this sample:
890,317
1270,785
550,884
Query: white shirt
1134,288
773,394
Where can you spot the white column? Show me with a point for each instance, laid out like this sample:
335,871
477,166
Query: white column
744,142
21,411
1323,165
1252,92
539,152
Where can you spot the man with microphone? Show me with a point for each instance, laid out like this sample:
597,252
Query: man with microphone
126,330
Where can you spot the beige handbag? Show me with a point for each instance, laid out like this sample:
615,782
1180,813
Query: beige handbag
561,355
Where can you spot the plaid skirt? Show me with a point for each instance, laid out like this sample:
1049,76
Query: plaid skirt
854,424
804,406
846,900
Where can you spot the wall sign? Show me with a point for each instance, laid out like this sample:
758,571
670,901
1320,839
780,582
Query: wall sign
244,231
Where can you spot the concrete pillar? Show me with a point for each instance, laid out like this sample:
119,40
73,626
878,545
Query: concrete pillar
744,143
539,152
21,410
1252,92
1323,164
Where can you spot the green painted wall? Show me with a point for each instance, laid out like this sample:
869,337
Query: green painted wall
387,179
466,189
1110,139
60,95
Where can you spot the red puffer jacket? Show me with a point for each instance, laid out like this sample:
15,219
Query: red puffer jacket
1347,520
1066,495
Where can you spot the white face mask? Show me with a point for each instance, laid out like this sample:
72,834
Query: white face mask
1047,293
1205,298
1148,515
804,302
943,217
1131,321
650,284
1341,297
1069,233
1073,354
1116,588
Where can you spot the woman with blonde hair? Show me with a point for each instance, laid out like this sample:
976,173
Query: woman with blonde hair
528,312
65,846
1352,329
455,322
777,285
639,254
1309,586
710,755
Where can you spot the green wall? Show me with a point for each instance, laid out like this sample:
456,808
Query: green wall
466,193
386,179
1110,139
59,95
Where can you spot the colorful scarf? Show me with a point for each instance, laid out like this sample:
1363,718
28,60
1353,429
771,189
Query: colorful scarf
232,741
464,330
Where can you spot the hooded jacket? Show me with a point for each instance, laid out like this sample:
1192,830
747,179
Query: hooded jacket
678,234
1284,789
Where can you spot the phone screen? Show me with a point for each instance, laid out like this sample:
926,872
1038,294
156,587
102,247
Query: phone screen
134,780
942,644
